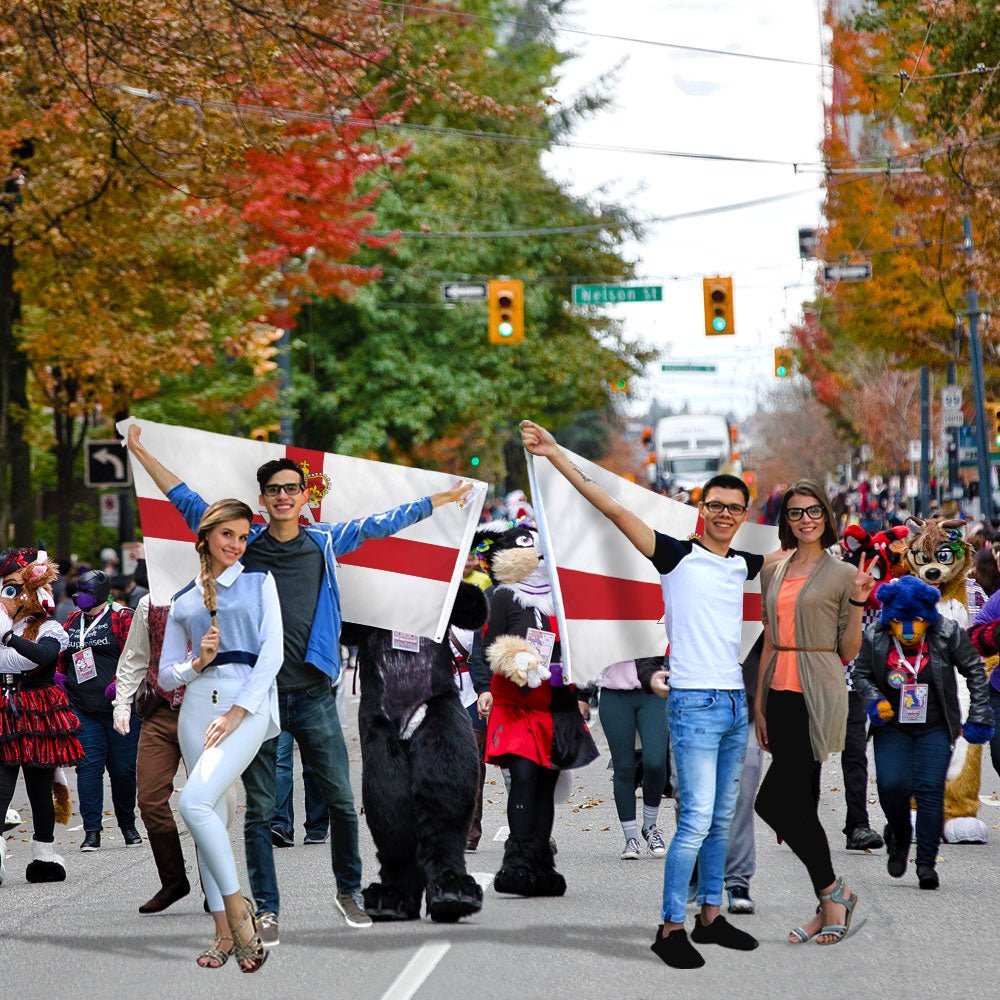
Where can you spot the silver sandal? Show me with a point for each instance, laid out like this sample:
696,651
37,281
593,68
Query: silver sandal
838,931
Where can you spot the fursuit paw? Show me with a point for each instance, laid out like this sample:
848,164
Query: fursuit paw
879,711
453,896
386,902
515,658
977,732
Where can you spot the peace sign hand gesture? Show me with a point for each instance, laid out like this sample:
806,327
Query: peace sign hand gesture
864,582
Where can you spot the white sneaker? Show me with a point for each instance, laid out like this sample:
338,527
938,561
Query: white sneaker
632,850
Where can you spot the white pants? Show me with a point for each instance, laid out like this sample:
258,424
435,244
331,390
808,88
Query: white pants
203,801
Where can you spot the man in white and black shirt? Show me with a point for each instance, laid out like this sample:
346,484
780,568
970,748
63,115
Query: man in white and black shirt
702,580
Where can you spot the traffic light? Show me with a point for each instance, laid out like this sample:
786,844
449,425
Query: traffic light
506,309
782,362
264,433
620,385
992,424
718,293
474,461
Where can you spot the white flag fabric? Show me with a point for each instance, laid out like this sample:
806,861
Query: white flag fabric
608,597
406,582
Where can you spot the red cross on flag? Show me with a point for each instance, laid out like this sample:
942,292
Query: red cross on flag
406,582
608,597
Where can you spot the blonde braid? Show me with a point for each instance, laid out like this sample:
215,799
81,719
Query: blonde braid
207,580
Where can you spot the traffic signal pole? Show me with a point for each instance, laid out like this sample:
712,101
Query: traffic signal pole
978,382
925,441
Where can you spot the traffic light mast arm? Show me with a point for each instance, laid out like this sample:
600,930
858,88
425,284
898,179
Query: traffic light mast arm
538,441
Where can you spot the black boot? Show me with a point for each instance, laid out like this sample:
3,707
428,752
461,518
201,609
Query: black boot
517,875
897,853
169,858
388,902
548,882
452,896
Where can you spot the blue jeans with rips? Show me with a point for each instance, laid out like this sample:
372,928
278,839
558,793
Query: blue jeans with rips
708,734
311,717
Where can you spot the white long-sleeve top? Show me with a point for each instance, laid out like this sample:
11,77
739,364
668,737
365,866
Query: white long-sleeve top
251,645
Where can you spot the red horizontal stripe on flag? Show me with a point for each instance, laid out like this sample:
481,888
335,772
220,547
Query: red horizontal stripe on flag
160,519
593,597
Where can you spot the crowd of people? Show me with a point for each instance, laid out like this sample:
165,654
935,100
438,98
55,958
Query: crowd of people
246,661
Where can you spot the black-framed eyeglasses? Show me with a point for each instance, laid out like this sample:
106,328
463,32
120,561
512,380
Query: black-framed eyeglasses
814,512
274,489
717,507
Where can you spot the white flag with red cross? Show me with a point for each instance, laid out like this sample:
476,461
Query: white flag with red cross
406,582
608,596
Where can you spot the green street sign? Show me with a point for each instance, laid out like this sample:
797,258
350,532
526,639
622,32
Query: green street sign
599,295
688,368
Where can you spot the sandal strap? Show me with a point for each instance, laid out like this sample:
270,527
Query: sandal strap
215,952
800,934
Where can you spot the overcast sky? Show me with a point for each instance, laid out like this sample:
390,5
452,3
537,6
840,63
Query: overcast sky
667,99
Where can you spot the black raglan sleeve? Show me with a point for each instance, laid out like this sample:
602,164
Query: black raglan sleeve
755,563
668,552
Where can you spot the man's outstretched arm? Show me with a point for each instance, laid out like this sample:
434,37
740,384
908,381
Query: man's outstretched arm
538,441
165,480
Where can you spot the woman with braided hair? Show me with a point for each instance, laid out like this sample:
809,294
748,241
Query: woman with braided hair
223,642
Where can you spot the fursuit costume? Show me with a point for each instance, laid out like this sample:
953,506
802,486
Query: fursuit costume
420,768
37,726
535,727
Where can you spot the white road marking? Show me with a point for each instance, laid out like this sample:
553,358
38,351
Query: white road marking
502,834
416,971
484,879
73,829
989,800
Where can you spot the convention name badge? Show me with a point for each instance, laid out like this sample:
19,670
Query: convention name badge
544,642
84,665
406,642
913,702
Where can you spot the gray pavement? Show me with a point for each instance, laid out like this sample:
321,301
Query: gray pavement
84,938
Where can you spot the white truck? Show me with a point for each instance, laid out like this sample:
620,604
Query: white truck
692,448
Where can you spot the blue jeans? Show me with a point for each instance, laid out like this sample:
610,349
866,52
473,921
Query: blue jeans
708,734
317,815
912,764
311,718
106,749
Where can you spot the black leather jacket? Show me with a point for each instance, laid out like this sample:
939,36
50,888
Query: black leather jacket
950,649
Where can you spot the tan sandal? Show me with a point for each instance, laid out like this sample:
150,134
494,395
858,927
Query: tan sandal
253,952
215,957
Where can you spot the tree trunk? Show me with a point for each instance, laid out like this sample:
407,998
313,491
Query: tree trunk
70,433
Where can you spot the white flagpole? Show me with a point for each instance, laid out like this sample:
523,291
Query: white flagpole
550,562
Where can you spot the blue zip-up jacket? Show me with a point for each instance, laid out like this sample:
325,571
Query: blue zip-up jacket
335,540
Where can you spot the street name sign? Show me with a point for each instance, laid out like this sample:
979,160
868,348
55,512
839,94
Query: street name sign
463,291
599,295
848,272
688,368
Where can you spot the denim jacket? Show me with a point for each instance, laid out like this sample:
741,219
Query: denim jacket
334,540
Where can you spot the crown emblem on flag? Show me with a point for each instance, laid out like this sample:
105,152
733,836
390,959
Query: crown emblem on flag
317,485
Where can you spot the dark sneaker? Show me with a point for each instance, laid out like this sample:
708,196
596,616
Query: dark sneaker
722,933
316,838
632,850
740,901
91,841
928,877
279,839
131,837
267,928
897,854
864,838
352,906
654,841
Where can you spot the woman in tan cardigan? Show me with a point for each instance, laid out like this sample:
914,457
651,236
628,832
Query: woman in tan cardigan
812,605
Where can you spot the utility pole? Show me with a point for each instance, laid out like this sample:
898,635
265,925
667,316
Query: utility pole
925,440
978,381
953,482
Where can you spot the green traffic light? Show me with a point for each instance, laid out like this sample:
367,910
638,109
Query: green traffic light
781,371
719,324
474,461
505,329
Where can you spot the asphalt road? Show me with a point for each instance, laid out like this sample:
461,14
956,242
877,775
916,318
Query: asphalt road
84,938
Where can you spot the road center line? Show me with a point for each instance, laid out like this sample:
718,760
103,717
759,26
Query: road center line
416,971
502,834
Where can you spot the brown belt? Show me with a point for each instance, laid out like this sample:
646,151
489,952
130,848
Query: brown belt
802,649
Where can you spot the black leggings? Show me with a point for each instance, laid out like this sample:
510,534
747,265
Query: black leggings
788,800
38,782
531,809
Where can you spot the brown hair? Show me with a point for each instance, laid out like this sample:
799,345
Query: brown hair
218,513
806,488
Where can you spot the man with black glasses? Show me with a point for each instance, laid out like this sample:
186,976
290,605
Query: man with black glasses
702,580
302,560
